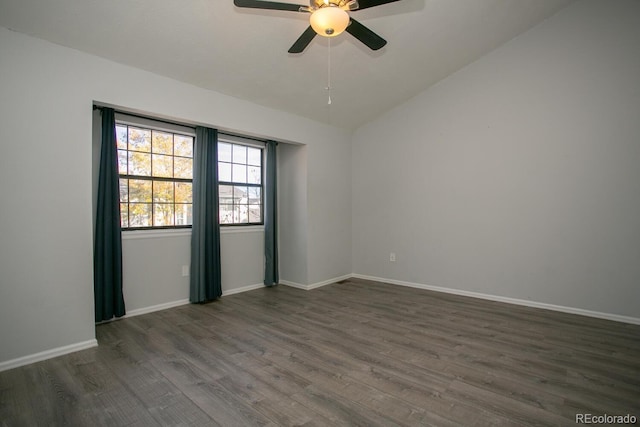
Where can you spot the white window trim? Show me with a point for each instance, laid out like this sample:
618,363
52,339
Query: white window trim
155,233
149,123
234,139
239,228
125,119
164,233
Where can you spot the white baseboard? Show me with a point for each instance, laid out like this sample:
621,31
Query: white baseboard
48,354
527,303
315,285
164,306
242,289
293,284
151,309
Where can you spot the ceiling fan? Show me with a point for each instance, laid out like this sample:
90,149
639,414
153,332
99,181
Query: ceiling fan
328,19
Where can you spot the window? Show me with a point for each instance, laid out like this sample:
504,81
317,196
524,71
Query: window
240,183
155,165
156,173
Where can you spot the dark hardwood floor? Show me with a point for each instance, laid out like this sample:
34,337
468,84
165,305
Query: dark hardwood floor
353,353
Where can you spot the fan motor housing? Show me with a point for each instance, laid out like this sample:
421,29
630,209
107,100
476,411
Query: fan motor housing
317,4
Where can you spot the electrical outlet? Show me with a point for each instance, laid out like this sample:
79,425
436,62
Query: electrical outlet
392,257
185,270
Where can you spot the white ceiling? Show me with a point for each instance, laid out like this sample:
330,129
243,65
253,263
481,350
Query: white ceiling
243,52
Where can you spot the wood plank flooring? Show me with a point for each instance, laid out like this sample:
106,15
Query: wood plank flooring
354,353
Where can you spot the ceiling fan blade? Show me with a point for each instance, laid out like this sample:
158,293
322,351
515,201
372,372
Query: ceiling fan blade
273,5
303,41
365,35
365,4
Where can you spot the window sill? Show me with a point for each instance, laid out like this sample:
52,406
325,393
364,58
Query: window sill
154,234
181,232
231,229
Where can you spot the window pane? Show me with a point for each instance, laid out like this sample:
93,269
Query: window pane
162,166
226,214
225,193
124,215
162,214
139,139
139,214
162,142
139,191
243,214
124,190
121,137
183,168
184,192
122,162
254,196
255,213
254,156
239,154
239,194
183,146
224,152
255,175
239,173
162,192
224,172
162,201
184,214
139,164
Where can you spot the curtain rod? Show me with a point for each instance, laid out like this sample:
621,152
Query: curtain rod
97,107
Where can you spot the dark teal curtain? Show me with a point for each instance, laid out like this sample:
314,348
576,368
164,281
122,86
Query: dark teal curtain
271,218
206,279
107,254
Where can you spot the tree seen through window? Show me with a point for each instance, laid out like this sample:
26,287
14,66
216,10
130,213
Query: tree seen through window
156,172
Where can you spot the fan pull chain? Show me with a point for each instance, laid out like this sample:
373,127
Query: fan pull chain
329,72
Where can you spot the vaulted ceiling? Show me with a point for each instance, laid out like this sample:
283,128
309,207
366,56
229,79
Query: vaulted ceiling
243,52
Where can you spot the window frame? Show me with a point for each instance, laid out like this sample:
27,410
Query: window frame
157,126
244,142
160,125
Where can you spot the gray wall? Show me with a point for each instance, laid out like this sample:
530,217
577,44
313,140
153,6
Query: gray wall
292,212
46,244
519,175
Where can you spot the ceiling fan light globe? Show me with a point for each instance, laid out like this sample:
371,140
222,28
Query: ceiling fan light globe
329,21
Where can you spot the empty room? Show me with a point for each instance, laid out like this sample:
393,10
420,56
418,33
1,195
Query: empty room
324,212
